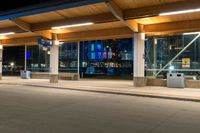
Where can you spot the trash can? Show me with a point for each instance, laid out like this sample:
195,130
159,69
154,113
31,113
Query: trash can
175,80
25,74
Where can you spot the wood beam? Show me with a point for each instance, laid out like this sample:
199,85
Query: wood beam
11,29
44,34
173,27
28,28
153,11
118,13
21,24
99,18
97,34
20,41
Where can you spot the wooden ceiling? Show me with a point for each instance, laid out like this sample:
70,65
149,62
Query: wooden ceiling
132,4
115,14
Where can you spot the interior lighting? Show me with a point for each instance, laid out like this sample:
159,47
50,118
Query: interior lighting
180,12
73,25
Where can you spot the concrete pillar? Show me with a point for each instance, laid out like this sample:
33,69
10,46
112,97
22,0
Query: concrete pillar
1,59
54,59
139,61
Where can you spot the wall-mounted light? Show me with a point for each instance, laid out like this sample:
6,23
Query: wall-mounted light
179,12
73,25
56,42
143,36
155,41
7,33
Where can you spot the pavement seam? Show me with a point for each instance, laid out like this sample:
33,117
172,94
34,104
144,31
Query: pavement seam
114,92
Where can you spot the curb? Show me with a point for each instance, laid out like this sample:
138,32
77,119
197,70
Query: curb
115,93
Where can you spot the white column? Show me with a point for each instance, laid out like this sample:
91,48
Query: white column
139,61
1,60
54,60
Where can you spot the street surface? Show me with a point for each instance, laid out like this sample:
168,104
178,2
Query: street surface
26,109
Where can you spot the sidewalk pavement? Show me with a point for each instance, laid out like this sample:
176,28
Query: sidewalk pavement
122,87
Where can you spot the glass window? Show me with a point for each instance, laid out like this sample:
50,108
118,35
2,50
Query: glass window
107,58
68,56
39,60
171,53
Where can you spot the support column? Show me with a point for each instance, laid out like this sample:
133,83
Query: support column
1,60
25,60
78,61
54,51
139,61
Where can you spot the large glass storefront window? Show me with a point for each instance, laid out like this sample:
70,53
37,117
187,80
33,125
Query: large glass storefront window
107,58
68,57
98,59
169,54
38,58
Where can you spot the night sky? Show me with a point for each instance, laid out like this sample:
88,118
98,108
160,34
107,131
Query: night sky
15,4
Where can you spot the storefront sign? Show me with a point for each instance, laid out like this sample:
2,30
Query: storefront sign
185,62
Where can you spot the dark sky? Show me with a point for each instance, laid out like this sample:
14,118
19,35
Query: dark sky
13,4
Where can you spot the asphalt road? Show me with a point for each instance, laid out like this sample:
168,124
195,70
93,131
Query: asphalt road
43,110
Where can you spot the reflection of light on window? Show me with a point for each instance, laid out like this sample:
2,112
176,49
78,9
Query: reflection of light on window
92,56
110,55
92,47
98,55
98,47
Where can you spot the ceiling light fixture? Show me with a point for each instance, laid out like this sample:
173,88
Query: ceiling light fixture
180,12
8,33
191,33
73,25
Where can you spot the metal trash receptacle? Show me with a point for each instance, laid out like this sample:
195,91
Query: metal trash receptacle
25,74
175,80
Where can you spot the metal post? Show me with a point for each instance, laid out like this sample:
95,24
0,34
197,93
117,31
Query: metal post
78,60
25,61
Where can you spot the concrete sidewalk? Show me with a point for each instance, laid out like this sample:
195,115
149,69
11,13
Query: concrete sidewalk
121,87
